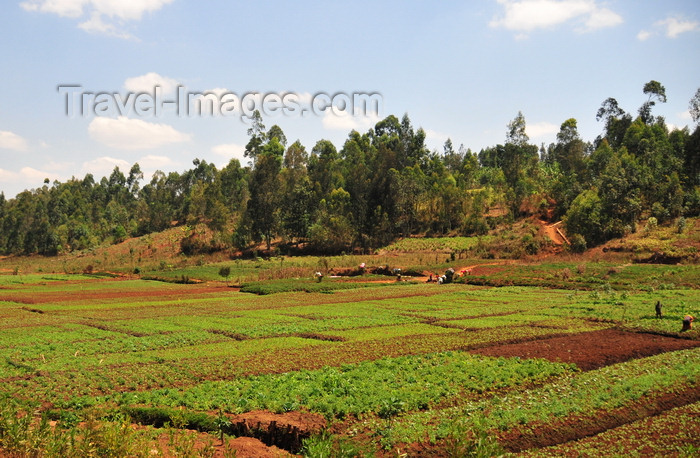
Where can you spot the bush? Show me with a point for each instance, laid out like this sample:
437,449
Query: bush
475,225
680,225
530,244
119,233
652,224
578,243
194,244
659,212
225,272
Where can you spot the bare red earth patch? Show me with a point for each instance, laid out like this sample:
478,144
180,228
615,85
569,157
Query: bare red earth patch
248,447
207,445
592,350
286,431
485,269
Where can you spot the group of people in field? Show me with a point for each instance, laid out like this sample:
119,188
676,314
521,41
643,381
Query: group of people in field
447,277
687,319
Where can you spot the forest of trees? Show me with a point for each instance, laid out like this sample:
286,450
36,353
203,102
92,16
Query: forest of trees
380,185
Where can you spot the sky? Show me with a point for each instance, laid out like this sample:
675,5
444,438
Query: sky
88,85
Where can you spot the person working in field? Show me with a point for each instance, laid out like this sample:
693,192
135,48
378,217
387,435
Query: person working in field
687,323
658,309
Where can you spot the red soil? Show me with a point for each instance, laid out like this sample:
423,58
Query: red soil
245,447
592,350
248,447
485,269
306,423
168,292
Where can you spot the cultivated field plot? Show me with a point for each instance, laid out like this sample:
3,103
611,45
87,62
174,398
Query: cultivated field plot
423,369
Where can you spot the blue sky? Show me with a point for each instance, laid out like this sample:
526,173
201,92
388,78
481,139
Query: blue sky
459,69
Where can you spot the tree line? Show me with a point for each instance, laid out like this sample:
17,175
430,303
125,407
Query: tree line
382,184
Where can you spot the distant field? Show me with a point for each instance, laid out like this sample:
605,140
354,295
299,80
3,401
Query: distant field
447,244
402,366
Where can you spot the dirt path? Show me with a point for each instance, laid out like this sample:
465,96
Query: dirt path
554,232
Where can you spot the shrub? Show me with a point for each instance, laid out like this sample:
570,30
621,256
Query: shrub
680,225
652,223
578,243
194,244
225,272
659,212
565,274
530,244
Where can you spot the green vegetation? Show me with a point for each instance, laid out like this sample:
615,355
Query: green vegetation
386,386
309,286
391,364
387,363
586,394
378,186
671,433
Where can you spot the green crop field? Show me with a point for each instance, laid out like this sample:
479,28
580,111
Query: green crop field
401,368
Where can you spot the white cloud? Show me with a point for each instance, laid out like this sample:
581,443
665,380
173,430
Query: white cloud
671,127
674,26
133,134
127,9
10,140
230,150
643,35
525,16
103,166
600,18
671,27
146,83
151,162
541,129
436,136
29,176
347,122
305,99
215,102
118,11
64,8
96,25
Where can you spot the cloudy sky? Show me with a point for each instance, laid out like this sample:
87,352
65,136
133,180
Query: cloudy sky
79,75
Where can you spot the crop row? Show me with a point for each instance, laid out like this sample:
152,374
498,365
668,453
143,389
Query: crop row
387,386
579,394
673,433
